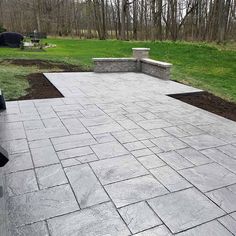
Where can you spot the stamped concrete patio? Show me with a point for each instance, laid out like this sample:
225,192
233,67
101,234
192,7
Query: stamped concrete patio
116,156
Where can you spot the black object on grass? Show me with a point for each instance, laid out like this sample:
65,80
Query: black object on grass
2,101
11,39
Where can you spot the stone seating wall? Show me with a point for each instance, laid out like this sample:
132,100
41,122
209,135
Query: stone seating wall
140,62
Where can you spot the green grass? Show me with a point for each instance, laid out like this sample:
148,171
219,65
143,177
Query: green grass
205,66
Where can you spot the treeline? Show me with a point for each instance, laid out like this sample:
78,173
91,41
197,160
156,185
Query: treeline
198,20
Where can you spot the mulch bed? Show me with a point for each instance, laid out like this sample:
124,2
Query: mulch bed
40,88
209,102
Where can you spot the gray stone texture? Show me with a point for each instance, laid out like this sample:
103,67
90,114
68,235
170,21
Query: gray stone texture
170,178
50,176
185,209
35,229
117,169
139,217
116,156
21,182
213,228
115,65
40,205
155,69
99,220
134,190
86,187
159,230
225,198
209,177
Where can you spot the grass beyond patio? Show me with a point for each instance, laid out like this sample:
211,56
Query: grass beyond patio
201,65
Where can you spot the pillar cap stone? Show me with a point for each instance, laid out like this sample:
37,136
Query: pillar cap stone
141,49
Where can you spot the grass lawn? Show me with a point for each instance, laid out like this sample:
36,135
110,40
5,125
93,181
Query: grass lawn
205,66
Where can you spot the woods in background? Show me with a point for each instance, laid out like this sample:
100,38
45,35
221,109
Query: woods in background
197,20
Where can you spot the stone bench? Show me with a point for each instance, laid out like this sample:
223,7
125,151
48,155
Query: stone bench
156,68
139,63
114,64
2,101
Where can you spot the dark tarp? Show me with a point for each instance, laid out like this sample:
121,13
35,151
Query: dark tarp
3,157
11,39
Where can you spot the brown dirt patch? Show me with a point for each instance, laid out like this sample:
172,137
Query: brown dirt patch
43,64
40,88
209,102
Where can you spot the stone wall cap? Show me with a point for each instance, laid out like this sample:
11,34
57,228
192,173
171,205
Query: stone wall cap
114,59
141,49
154,62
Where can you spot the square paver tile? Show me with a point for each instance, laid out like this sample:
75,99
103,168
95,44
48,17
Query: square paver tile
139,217
135,190
74,126
140,134
99,220
134,146
192,130
176,131
44,156
203,141
52,123
128,124
79,160
85,185
170,178
155,150
148,143
75,152
229,222
168,143
185,209
124,137
156,231
107,150
40,143
105,128
104,138
36,229
213,228
18,162
153,124
209,177
21,182
225,198
221,158
73,141
50,176
40,205
33,124
230,150
194,156
176,161
157,133
36,134
15,146
117,169
151,161
141,152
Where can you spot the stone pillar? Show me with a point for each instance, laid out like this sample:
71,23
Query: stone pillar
140,53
